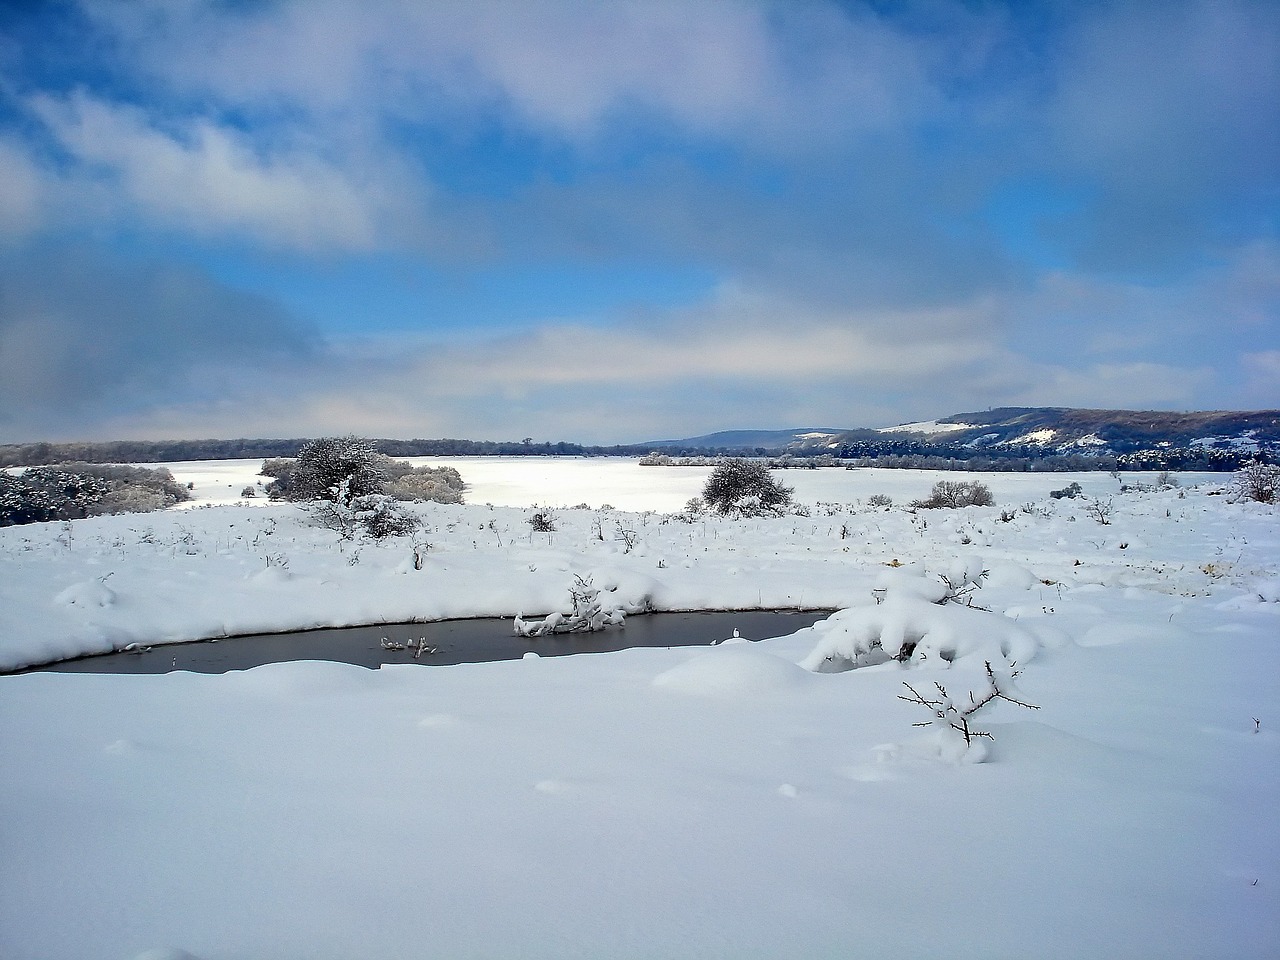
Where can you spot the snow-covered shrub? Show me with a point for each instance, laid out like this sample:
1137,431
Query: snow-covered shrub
323,466
248,492
951,720
744,488
1069,492
543,520
70,491
588,614
1101,510
407,482
953,494
1258,481
916,631
372,515
879,500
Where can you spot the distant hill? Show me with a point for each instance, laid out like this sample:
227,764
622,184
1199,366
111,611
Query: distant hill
806,438
1068,429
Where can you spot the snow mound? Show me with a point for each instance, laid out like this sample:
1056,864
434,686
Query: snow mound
1268,590
89,593
733,672
916,631
1010,576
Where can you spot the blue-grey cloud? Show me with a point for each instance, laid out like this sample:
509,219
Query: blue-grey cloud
86,338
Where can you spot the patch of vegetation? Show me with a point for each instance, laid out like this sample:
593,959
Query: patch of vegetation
70,491
745,488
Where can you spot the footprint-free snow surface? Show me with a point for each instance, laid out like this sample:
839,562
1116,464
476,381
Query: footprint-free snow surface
742,800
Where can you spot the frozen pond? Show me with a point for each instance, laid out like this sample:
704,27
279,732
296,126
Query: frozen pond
453,642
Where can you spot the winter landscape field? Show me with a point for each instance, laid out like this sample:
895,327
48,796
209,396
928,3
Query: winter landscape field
771,799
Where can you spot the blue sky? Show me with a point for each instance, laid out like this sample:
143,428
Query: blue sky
612,222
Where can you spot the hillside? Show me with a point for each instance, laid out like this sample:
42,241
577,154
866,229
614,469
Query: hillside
1066,429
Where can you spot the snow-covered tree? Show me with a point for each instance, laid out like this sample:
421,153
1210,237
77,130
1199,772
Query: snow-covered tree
745,488
329,468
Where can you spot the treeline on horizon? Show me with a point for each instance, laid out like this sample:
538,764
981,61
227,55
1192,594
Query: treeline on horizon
880,452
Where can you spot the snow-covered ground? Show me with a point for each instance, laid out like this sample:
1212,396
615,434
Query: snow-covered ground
724,802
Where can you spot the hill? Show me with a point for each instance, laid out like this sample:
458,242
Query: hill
1067,429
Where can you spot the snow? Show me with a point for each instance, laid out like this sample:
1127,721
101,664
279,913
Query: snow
926,426
723,801
1036,436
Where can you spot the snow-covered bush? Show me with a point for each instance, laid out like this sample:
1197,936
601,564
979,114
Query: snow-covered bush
952,494
436,484
744,488
951,719
543,520
588,614
914,623
879,500
1069,492
1258,481
69,491
371,515
323,466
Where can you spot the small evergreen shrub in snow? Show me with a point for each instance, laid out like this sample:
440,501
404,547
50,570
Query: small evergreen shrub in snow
879,500
953,494
744,488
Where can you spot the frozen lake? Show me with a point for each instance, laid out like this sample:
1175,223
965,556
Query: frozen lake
626,485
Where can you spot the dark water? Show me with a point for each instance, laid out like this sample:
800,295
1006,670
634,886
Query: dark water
455,641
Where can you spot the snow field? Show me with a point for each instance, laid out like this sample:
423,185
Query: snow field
721,802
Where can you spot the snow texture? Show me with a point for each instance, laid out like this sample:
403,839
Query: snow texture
735,801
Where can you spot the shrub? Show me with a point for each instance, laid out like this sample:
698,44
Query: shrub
879,500
543,520
438,484
744,488
1258,481
1069,492
323,465
69,491
328,469
373,515
952,494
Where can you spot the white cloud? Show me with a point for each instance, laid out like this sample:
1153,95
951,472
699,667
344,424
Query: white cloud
210,179
22,192
563,66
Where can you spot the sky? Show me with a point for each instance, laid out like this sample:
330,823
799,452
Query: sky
615,222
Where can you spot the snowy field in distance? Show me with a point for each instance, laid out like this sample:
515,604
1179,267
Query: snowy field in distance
721,802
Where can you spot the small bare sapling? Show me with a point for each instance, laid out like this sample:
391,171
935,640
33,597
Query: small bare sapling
953,718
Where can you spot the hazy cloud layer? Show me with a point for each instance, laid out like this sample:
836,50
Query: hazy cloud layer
900,210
